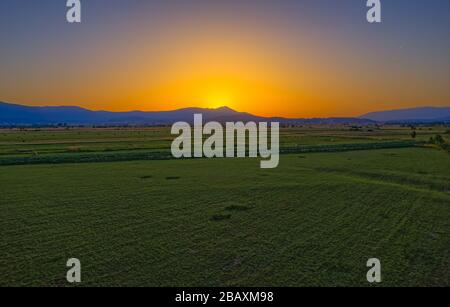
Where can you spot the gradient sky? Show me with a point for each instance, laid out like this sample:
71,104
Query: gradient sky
299,58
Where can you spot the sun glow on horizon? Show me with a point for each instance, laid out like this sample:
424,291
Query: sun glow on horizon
217,99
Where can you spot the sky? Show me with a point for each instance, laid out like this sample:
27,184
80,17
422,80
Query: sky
296,58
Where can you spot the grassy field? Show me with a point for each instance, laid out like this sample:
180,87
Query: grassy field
313,221
29,142
75,145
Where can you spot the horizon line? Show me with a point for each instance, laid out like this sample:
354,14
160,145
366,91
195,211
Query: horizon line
215,109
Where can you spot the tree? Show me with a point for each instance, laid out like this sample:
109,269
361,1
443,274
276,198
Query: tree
439,140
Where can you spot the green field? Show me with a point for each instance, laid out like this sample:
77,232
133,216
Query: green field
144,221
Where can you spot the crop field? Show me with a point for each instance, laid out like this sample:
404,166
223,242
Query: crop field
139,218
63,145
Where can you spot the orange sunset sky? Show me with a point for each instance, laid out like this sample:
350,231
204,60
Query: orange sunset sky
270,58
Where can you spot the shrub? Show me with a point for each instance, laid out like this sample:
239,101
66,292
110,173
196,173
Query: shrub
439,140
220,217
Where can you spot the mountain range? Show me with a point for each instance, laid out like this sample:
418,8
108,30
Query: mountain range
21,115
416,115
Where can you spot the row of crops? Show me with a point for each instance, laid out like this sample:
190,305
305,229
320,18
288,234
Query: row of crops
166,155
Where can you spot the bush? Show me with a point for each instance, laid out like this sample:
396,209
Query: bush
220,217
439,140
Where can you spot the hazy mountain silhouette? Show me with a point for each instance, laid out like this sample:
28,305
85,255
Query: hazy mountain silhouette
13,114
424,115
17,115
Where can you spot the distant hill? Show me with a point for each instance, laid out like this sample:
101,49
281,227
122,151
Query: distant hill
416,115
19,115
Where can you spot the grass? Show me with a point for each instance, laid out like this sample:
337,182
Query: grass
32,142
314,221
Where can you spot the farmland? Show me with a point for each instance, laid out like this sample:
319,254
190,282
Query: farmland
141,218
63,145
